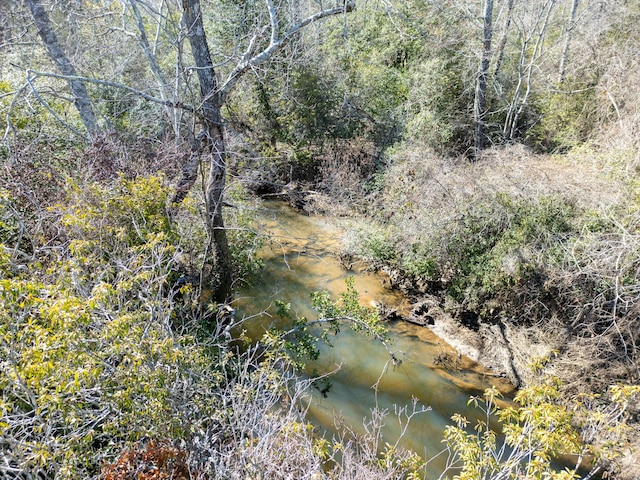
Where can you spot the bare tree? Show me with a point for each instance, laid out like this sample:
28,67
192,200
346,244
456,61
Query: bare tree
505,37
213,94
81,99
532,30
481,83
165,84
567,41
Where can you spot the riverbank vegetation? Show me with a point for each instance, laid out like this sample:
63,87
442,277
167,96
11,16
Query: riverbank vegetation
492,147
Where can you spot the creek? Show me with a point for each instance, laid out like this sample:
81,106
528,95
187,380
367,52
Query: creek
301,258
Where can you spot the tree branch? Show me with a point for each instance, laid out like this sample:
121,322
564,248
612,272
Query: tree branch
277,43
150,98
48,108
273,19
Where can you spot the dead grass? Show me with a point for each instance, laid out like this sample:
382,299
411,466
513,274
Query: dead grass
423,190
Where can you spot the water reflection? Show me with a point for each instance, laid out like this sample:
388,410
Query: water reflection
300,259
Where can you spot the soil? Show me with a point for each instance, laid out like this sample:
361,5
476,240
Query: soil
487,345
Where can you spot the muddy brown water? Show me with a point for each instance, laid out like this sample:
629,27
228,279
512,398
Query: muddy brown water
300,258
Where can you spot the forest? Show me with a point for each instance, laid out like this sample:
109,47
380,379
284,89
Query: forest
491,148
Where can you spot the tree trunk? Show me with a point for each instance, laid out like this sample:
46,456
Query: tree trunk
567,42
481,85
211,142
505,38
56,52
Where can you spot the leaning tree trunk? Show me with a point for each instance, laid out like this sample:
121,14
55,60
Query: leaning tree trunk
567,42
481,85
505,38
211,141
81,97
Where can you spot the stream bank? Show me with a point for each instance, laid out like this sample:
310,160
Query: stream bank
488,345
538,204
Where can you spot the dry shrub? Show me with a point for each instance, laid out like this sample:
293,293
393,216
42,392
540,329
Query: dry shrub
601,287
424,191
36,176
110,155
33,182
345,170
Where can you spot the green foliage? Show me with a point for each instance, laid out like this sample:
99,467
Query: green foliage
298,341
347,308
130,214
87,353
244,239
313,107
538,429
89,376
376,89
492,245
565,119
377,247
304,112
420,263
437,109
373,59
302,336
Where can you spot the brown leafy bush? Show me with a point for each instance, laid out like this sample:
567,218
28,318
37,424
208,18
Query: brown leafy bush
151,461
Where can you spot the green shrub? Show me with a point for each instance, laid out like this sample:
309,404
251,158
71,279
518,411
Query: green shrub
537,430
565,119
89,358
377,247
437,106
420,263
245,240
497,244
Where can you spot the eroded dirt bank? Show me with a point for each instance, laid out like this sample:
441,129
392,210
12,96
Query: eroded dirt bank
562,310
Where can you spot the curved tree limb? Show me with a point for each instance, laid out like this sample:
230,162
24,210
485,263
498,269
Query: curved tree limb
277,42
141,94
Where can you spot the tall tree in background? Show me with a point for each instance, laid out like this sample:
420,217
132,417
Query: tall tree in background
480,102
81,98
532,29
567,41
505,36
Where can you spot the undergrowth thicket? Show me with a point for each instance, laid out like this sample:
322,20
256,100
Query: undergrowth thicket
113,365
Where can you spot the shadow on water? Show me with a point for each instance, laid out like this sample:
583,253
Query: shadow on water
300,259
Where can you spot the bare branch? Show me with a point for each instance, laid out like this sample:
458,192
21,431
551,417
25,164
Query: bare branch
277,42
50,110
273,19
151,98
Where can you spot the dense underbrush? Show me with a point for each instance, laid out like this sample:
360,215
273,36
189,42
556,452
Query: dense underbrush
540,252
115,365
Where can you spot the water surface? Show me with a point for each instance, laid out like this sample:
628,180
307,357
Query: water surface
300,258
